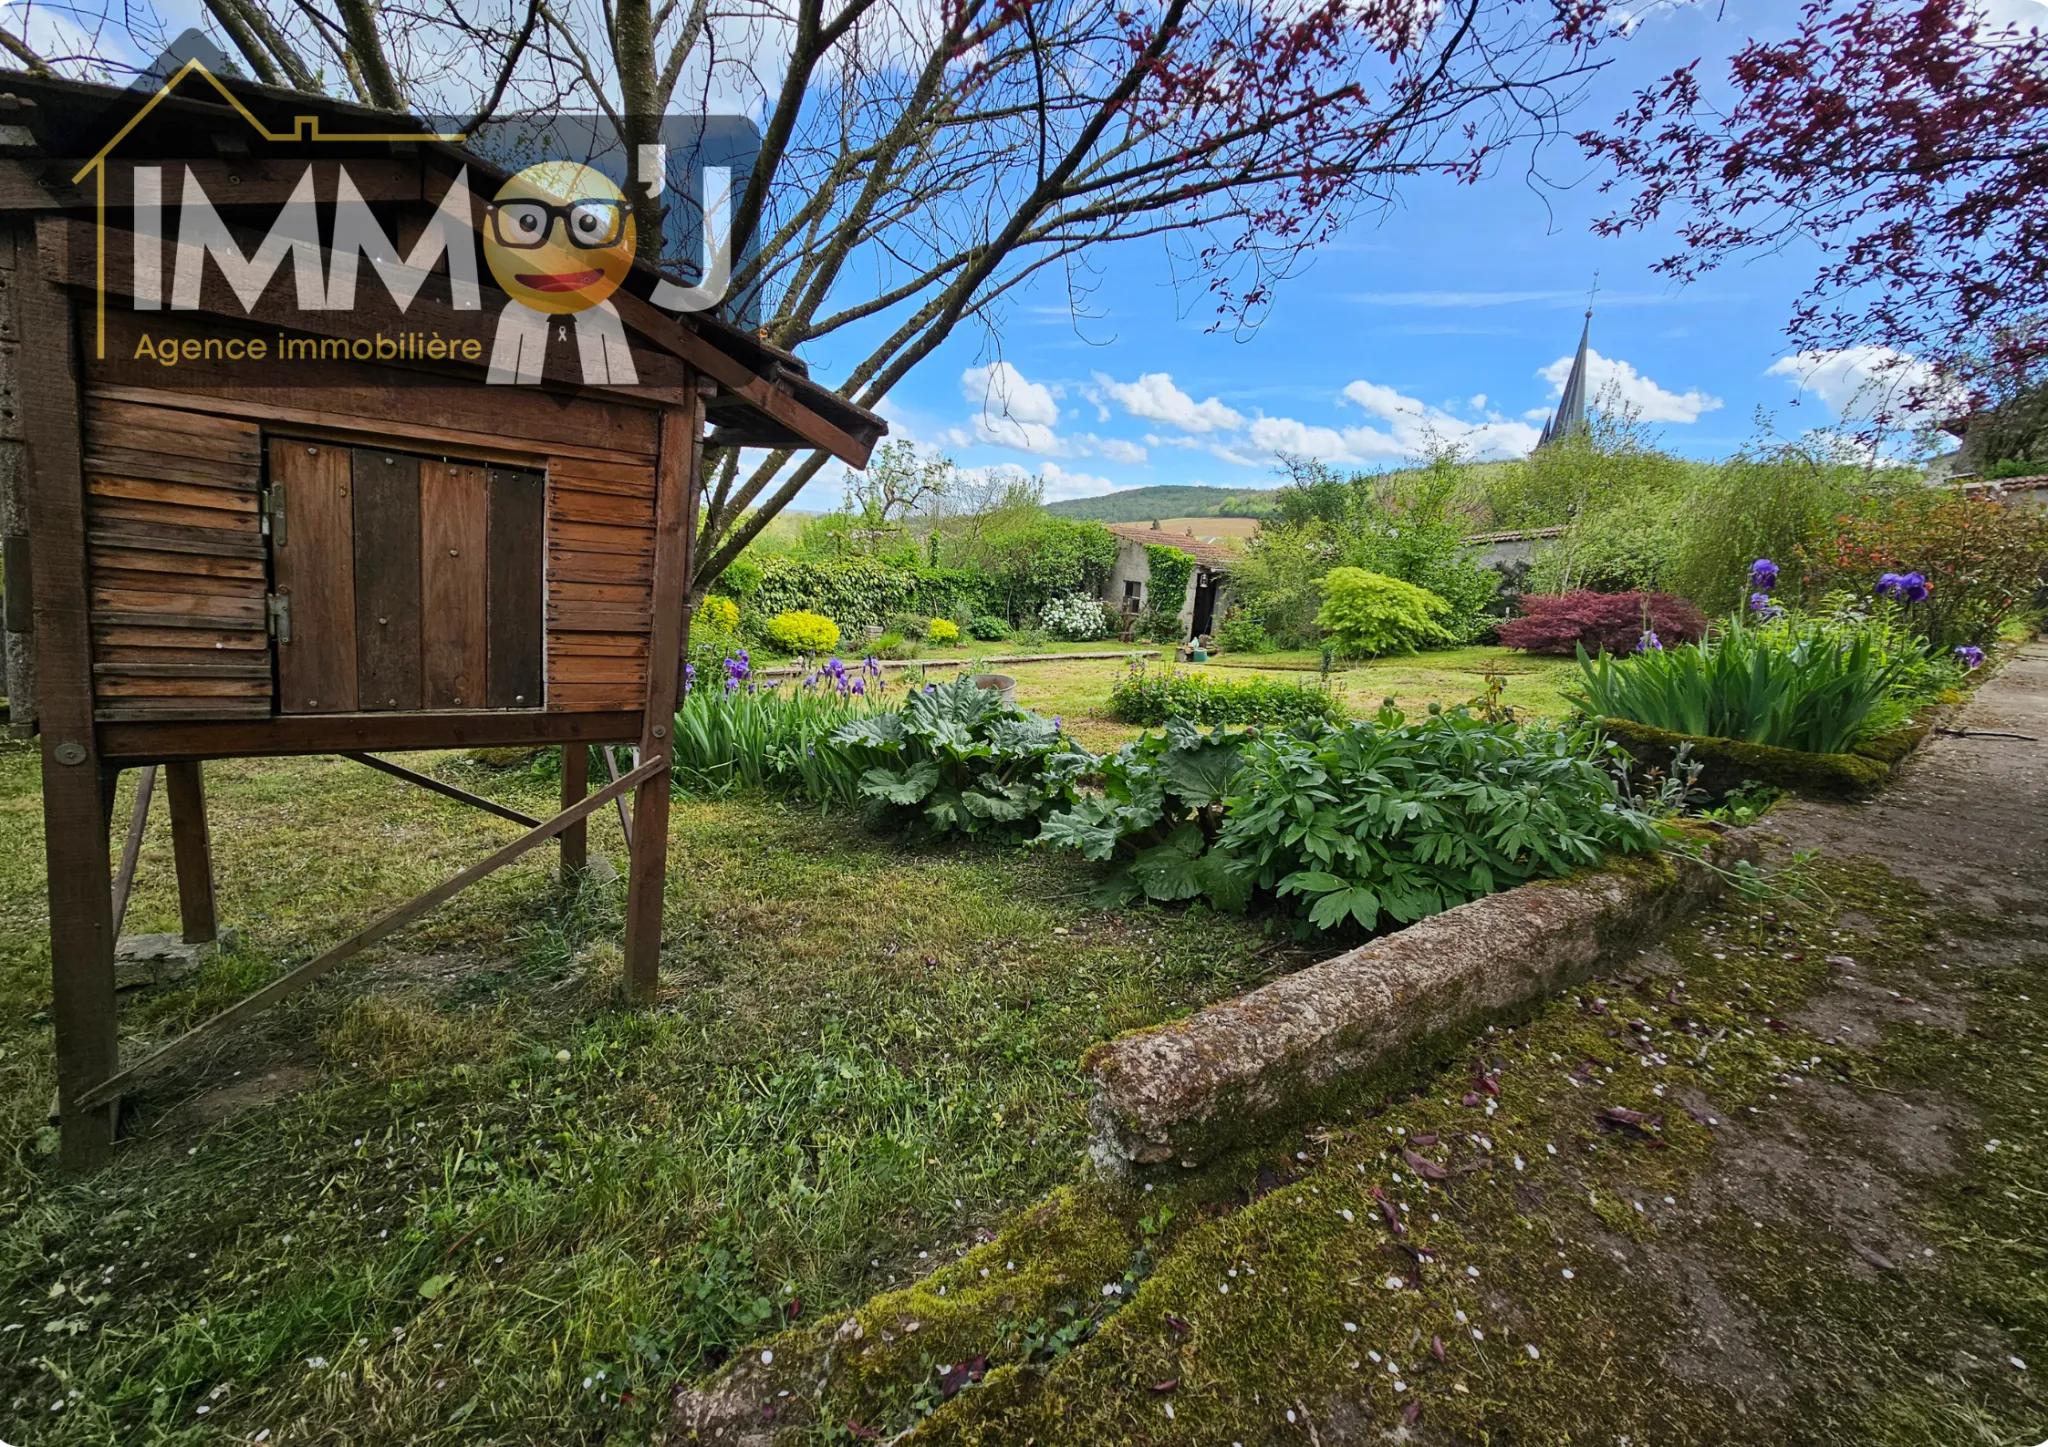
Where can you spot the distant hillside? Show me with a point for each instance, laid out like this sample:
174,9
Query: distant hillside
1143,504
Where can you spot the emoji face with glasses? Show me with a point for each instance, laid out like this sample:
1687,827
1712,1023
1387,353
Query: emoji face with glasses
559,237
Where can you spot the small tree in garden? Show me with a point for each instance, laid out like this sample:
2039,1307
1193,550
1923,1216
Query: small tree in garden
1562,624
1979,562
1369,614
1409,525
896,486
1768,502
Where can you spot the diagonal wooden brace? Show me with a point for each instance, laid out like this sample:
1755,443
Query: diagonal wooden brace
427,781
294,981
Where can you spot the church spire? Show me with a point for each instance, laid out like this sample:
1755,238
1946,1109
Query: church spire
1571,407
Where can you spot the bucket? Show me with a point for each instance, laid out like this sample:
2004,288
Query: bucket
1004,684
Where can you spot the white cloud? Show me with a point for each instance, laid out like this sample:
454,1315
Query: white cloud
1010,410
1859,384
1059,483
1478,403
1154,397
1116,449
1409,427
1609,378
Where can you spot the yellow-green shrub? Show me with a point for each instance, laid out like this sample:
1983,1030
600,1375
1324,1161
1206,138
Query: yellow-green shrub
1368,614
803,632
944,630
721,615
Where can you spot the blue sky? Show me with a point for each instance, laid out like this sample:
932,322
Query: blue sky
1454,315
1458,312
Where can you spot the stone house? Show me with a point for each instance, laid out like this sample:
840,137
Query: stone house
1127,592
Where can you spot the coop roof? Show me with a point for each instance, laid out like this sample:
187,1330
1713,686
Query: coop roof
50,128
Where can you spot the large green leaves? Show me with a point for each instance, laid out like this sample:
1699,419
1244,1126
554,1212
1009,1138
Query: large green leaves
1352,827
955,759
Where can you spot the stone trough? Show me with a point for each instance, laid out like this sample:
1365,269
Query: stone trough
1231,1074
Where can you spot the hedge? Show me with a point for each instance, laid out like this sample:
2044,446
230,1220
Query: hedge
1148,697
860,593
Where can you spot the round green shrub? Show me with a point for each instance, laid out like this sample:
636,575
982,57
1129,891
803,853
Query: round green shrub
1369,614
1242,633
989,628
803,632
741,578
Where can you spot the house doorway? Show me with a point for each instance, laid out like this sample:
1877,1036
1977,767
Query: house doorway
1205,602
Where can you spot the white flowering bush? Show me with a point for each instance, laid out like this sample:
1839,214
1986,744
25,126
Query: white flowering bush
1075,619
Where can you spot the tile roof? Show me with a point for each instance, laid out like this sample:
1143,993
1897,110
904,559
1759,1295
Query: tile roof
1213,556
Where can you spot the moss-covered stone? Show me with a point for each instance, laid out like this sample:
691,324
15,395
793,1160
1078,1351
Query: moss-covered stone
1373,1019
1728,764
1049,1265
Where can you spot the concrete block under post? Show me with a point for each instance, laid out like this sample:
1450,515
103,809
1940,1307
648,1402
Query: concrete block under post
163,959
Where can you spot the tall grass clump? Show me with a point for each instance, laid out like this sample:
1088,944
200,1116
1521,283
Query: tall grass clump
733,733
1775,501
1806,685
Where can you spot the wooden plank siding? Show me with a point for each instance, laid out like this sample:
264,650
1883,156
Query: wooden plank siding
453,539
388,569
600,582
175,548
181,566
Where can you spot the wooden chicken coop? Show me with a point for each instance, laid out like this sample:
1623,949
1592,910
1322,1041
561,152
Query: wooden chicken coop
220,549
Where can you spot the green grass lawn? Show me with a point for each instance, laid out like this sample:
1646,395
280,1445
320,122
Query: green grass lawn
460,1192
1077,692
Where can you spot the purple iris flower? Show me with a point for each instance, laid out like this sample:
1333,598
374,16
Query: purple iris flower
1971,655
1906,587
858,687
1763,575
1649,642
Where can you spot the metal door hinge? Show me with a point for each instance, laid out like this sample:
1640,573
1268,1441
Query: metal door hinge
273,513
277,609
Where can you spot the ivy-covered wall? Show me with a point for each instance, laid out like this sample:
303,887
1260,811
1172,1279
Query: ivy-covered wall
1166,591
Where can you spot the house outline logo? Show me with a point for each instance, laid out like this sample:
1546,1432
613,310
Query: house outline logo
305,129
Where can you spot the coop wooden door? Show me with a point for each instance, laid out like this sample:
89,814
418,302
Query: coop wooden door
406,582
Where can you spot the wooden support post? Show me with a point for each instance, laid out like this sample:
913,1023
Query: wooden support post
575,839
192,849
293,981
74,818
131,847
675,519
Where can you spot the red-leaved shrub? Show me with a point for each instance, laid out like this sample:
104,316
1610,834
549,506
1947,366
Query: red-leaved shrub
1613,622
